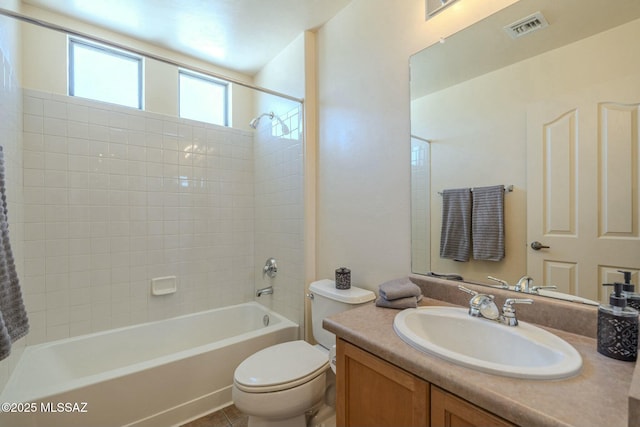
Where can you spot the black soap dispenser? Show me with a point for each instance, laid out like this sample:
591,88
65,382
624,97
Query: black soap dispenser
628,288
618,327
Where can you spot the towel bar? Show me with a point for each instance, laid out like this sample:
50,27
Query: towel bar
507,189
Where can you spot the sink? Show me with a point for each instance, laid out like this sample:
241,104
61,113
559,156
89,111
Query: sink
523,351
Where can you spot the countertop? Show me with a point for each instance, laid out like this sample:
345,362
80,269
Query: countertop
598,396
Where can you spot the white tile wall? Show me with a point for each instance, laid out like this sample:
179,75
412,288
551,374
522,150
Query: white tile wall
420,208
114,197
279,213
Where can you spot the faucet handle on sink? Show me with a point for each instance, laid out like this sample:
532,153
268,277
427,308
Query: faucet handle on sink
467,290
509,311
481,305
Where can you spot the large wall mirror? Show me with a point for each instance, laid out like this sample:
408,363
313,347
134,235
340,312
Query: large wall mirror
553,113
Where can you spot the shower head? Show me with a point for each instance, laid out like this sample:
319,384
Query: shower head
256,120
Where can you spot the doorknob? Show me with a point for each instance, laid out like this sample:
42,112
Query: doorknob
536,246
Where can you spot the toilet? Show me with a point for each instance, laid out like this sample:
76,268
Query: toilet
288,384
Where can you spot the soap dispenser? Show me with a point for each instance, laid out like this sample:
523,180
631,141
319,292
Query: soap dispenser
633,298
618,327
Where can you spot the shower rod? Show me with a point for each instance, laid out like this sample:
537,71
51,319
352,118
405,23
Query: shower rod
59,28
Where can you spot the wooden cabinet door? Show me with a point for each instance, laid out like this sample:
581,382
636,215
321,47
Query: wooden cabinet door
372,392
448,410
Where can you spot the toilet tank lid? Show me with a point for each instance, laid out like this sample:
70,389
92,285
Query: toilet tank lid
353,295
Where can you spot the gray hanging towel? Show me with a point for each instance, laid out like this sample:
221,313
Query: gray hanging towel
455,235
13,316
487,221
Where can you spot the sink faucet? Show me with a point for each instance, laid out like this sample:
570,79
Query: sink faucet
523,284
483,306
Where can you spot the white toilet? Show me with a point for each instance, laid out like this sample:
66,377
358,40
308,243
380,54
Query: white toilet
285,384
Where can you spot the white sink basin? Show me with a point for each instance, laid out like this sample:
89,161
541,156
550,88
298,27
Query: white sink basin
523,351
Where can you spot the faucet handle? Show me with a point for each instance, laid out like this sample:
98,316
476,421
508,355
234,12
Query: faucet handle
481,305
535,289
503,283
523,284
509,311
467,290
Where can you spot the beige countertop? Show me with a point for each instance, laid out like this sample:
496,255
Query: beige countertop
598,396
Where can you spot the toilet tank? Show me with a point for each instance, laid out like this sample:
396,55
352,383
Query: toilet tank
327,300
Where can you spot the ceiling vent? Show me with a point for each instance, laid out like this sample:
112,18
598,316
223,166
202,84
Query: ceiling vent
526,25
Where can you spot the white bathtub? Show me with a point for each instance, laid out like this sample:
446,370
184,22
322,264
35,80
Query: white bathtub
156,374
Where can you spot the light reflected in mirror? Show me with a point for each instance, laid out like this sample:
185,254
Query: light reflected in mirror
436,6
553,113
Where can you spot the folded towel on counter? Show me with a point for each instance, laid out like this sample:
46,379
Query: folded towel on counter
487,223
455,235
399,288
400,303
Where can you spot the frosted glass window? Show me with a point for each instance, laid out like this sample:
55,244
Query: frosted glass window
203,98
104,74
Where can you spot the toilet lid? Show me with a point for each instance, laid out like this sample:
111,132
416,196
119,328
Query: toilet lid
280,367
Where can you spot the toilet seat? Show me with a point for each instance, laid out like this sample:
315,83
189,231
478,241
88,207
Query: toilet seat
280,367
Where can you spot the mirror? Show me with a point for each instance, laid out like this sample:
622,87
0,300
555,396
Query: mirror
472,97
436,6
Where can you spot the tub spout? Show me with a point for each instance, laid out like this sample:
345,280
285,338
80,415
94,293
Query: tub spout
264,291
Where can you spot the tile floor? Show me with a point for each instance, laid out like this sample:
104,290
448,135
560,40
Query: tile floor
226,417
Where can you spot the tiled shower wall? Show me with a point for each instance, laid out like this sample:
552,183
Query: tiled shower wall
420,197
114,197
279,213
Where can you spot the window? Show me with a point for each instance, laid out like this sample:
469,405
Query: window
203,98
104,74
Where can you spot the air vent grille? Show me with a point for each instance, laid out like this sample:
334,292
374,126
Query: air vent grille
526,25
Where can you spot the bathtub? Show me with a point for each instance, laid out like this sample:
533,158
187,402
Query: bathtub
155,374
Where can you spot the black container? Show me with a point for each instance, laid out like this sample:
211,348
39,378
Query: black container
343,278
628,290
618,327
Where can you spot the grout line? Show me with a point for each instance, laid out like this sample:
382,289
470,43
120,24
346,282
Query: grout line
227,417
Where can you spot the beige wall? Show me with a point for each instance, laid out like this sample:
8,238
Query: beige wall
45,67
363,155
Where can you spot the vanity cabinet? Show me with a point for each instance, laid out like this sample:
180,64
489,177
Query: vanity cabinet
451,411
374,392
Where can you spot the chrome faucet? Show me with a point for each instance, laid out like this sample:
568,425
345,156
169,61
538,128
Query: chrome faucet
483,306
264,291
523,284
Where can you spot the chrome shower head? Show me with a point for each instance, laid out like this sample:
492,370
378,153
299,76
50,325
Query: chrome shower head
253,124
